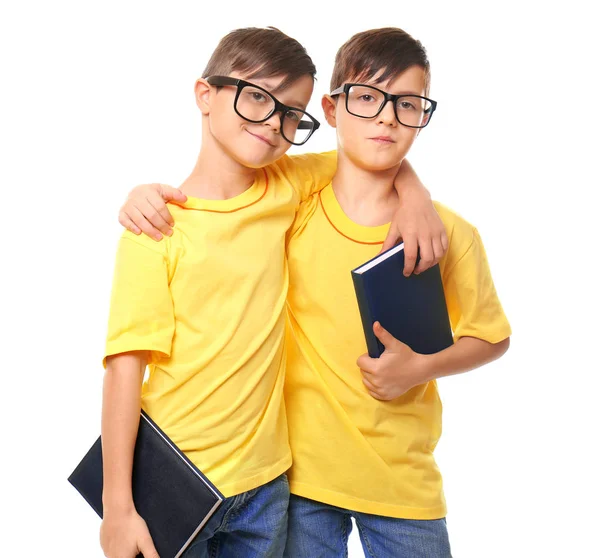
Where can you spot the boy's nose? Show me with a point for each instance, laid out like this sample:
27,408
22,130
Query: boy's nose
388,114
274,121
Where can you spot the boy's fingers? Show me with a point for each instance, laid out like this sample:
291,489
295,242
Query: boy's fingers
369,385
138,218
372,382
173,194
126,222
373,392
438,250
158,214
410,254
427,258
392,238
148,549
365,362
445,243
146,545
386,338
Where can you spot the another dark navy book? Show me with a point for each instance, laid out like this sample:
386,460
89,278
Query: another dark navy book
169,492
413,309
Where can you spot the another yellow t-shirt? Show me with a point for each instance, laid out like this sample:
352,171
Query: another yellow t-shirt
349,449
209,303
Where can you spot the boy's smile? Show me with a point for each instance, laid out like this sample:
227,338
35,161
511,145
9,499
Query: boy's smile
263,139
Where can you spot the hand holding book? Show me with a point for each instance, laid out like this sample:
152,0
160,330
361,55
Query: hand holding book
395,372
413,309
173,498
126,534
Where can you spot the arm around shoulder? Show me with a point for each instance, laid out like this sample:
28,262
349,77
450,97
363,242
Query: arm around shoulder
309,173
416,222
145,210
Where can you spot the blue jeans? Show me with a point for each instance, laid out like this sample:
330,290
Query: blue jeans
250,525
318,530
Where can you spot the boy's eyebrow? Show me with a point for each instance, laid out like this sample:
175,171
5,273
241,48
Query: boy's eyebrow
293,103
296,104
266,84
405,92
409,93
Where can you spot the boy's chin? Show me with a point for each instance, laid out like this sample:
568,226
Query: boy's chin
256,160
377,164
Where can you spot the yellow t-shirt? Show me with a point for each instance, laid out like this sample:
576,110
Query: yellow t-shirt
209,305
349,449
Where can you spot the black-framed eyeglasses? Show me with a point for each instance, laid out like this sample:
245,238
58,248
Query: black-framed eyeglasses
255,104
366,101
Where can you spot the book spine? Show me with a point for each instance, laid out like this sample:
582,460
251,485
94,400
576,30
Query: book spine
366,315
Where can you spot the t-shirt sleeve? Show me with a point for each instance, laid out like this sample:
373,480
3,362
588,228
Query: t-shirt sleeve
473,304
309,173
303,215
141,314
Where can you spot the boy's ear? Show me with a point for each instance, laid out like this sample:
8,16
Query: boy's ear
329,105
202,93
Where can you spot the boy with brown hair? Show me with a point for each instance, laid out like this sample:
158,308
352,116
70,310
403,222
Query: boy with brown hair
363,432
205,309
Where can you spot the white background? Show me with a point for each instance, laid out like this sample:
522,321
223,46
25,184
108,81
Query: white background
98,97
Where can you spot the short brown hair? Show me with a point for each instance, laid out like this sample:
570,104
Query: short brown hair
259,53
366,54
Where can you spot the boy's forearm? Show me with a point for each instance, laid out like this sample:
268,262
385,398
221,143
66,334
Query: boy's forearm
121,405
466,354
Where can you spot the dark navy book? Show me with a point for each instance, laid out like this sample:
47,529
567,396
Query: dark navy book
170,493
413,309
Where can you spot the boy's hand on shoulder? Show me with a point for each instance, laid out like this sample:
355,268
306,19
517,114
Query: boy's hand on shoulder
125,535
395,372
419,226
145,210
